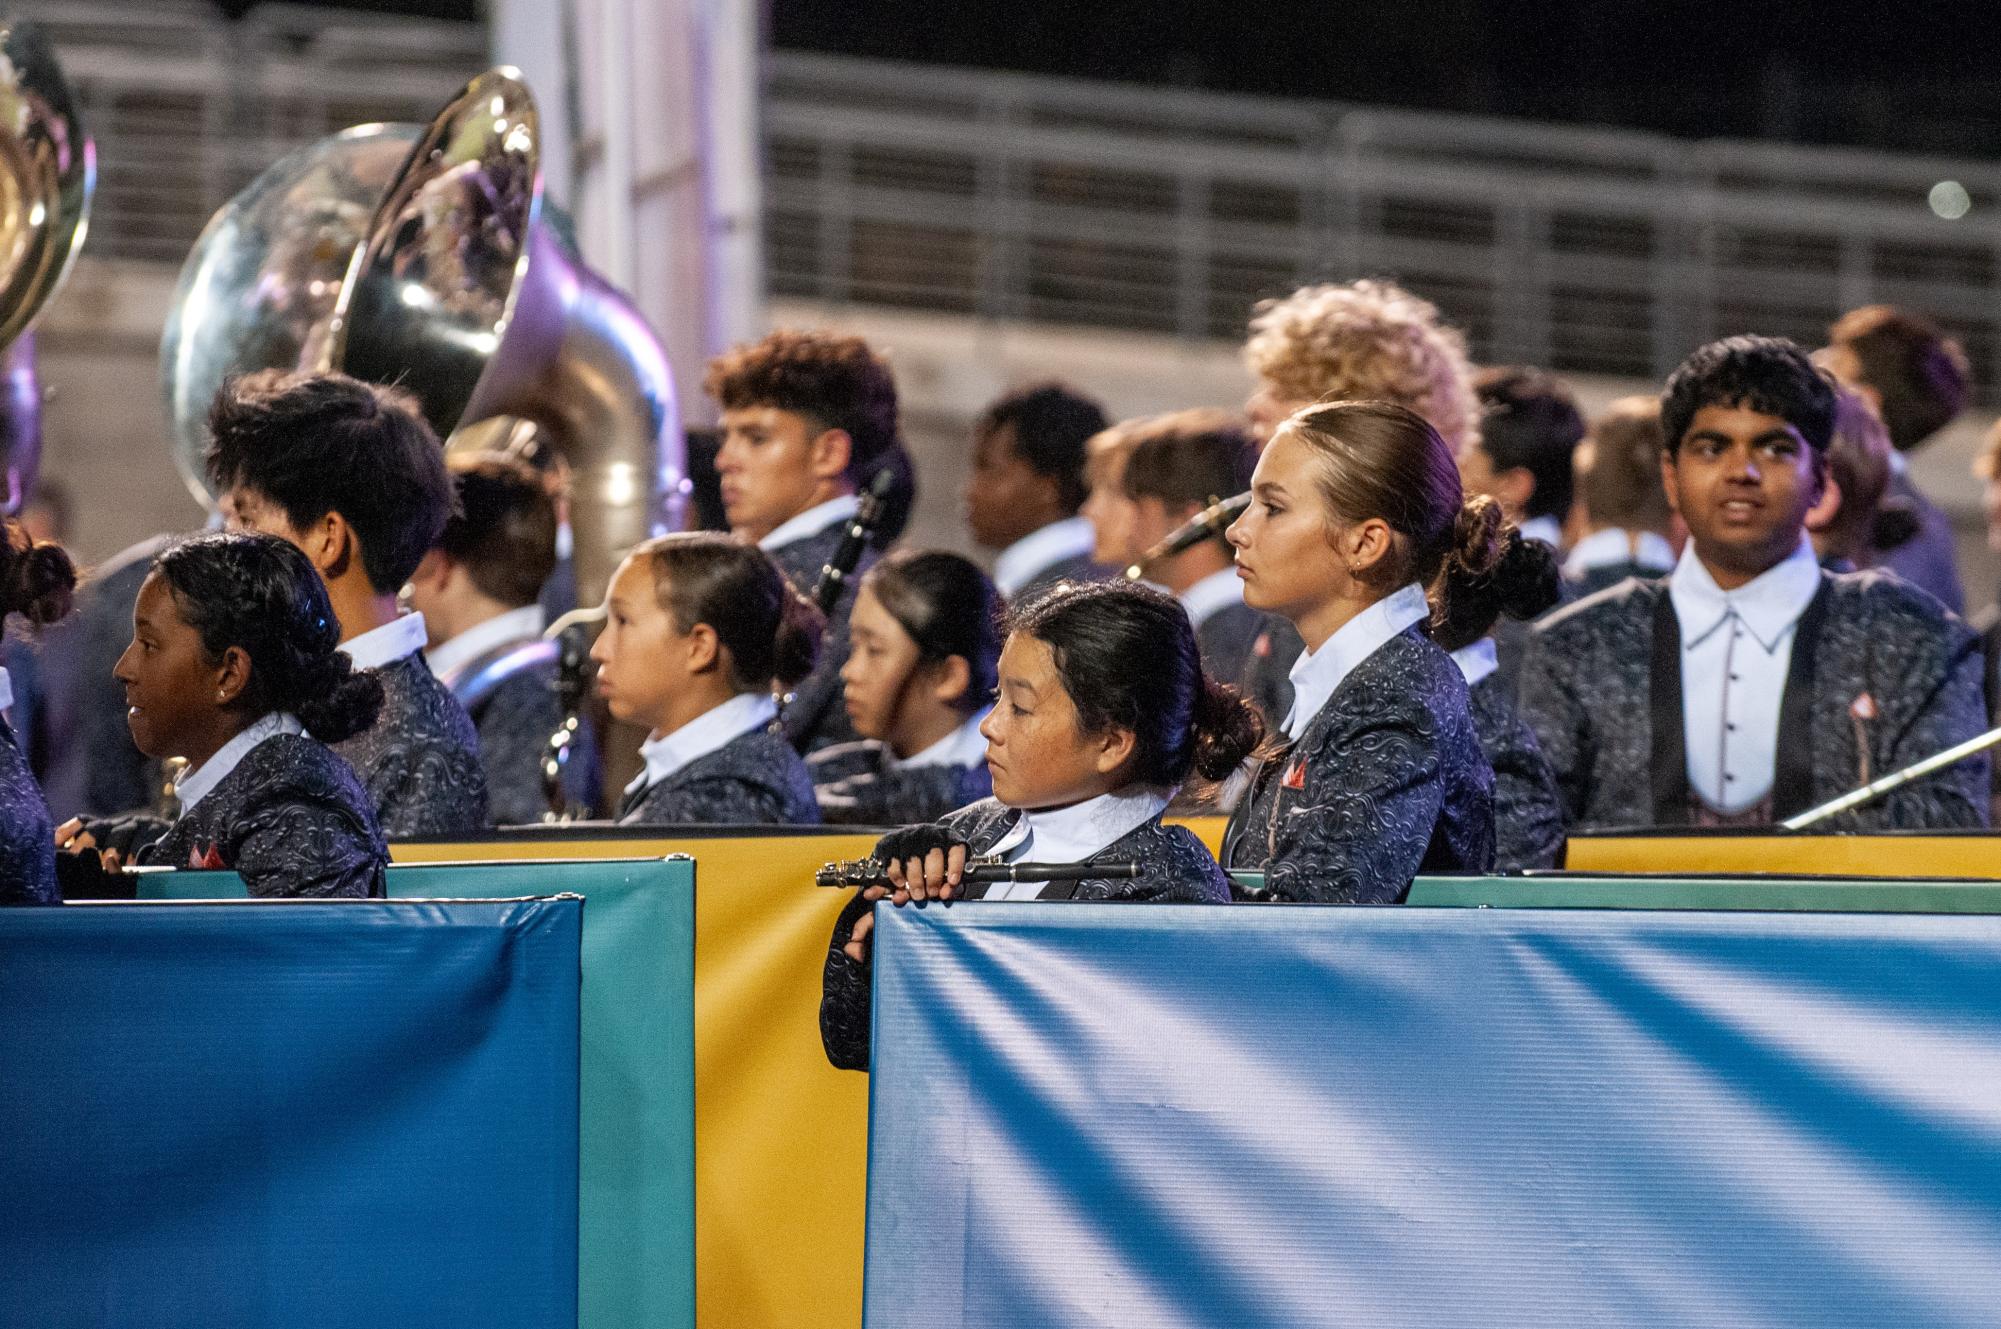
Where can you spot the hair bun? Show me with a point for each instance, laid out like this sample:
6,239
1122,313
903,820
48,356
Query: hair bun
1527,580
1478,542
1227,730
44,584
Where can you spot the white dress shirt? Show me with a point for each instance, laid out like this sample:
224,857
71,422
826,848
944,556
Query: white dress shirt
1736,647
1477,661
1027,558
1217,591
1602,549
1546,529
964,746
811,522
1315,674
194,784
449,657
390,642
740,715
6,693
1072,834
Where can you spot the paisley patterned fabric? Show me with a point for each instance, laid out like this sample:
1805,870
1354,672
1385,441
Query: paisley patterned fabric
1387,781
817,716
1528,813
514,720
27,837
1588,692
1929,559
1173,864
291,819
1604,577
755,779
420,760
1225,639
856,785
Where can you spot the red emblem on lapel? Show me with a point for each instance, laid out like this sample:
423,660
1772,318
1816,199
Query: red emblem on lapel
208,856
1295,775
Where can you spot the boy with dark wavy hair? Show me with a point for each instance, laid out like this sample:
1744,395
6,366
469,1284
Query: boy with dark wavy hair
1750,684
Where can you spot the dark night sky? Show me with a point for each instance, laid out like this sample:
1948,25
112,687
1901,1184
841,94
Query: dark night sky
1915,76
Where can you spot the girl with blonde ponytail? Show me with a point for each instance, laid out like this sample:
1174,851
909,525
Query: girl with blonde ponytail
1359,533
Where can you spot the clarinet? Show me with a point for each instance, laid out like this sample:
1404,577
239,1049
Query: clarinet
865,872
1210,521
573,676
870,507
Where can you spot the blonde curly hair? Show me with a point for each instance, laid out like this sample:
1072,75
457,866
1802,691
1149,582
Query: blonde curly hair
1367,340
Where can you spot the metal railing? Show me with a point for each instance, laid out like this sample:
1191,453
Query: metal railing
1065,201
1014,197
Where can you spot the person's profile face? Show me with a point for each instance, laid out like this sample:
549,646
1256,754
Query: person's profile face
879,667
1284,555
1006,498
169,680
767,466
1038,754
641,654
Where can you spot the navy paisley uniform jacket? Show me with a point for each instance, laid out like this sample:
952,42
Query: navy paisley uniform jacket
420,759
817,715
1528,812
856,784
1387,781
27,838
1602,690
291,819
514,718
755,779
1174,866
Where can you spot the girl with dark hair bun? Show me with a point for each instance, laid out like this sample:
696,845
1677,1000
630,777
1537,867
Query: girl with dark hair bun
36,581
701,630
919,679
1103,711
1359,534
235,665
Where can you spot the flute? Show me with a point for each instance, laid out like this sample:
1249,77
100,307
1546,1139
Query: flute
874,872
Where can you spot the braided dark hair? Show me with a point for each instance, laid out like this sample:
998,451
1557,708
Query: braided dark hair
262,596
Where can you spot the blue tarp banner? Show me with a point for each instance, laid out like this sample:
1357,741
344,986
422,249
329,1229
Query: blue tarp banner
1178,1116
289,1114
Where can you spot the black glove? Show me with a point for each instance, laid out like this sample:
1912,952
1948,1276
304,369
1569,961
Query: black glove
915,842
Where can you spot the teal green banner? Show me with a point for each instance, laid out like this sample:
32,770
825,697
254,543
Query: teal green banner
636,1170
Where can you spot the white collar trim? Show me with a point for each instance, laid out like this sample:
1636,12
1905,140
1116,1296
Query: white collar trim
1546,529
1027,558
1602,549
1768,605
1315,674
1215,592
195,784
6,691
811,522
1082,830
449,657
392,641
964,746
714,728
1477,661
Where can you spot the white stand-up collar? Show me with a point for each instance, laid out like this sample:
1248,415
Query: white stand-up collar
1768,605
451,656
1546,529
392,641
1477,661
6,692
1315,674
810,522
1027,558
1603,549
194,784
1076,833
742,714
964,746
1215,592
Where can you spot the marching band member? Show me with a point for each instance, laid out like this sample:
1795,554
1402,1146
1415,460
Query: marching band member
352,475
1620,513
1356,509
36,581
919,681
1028,486
478,591
235,664
1103,711
699,626
1751,685
808,418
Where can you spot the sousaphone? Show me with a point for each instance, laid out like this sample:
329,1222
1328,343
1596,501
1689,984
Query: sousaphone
48,170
